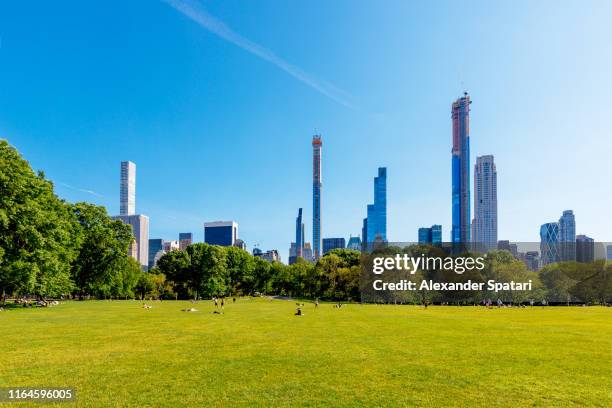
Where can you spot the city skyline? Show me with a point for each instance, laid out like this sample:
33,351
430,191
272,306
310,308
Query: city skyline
75,112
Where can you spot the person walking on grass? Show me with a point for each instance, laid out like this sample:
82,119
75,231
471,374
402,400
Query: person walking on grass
222,303
216,303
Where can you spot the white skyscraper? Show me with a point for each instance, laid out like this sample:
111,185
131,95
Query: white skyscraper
140,230
128,188
484,225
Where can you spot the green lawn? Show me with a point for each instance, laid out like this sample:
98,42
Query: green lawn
258,354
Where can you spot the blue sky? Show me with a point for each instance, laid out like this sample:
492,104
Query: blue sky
216,103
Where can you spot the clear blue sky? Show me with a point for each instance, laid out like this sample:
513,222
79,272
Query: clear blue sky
216,104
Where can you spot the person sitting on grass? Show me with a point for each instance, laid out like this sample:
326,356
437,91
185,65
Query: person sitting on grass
298,312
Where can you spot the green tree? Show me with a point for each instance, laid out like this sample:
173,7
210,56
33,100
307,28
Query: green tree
38,234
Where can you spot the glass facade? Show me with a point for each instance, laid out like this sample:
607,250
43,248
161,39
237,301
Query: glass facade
223,233
484,228
375,226
333,243
549,243
460,232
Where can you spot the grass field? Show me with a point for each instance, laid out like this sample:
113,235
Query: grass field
257,353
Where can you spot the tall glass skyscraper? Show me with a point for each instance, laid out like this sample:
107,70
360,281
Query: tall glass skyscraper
484,226
317,144
299,234
549,243
127,193
376,223
460,114
567,236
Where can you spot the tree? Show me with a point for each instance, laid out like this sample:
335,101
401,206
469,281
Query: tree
103,253
38,235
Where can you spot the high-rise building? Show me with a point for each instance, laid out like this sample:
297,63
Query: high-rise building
609,252
155,245
354,243
299,234
127,193
376,221
333,243
431,235
460,115
270,256
317,144
185,239
224,233
567,236
307,252
364,231
532,260
171,246
140,230
585,249
484,225
549,243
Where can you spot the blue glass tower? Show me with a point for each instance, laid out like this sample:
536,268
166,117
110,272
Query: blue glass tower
299,234
549,243
375,225
460,232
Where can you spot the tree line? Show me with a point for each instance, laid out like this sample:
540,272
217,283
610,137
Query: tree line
51,248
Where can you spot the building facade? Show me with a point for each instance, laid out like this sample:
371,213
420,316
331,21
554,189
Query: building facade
155,245
549,243
354,243
127,190
567,236
185,239
333,243
317,185
484,225
375,224
299,234
460,115
431,235
585,249
140,230
223,233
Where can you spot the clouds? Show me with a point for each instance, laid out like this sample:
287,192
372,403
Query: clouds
195,12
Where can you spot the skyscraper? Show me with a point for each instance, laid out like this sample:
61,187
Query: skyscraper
223,233
299,234
140,230
155,245
484,227
460,115
185,239
128,189
354,243
317,144
432,235
567,236
375,224
549,243
585,249
333,243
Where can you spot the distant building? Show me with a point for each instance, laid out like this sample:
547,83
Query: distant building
140,230
484,225
155,245
460,115
567,236
549,243
333,243
364,231
185,239
431,235
354,243
376,222
127,193
270,256
585,249
609,252
532,260
223,233
171,246
317,145
307,252
240,244
299,233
